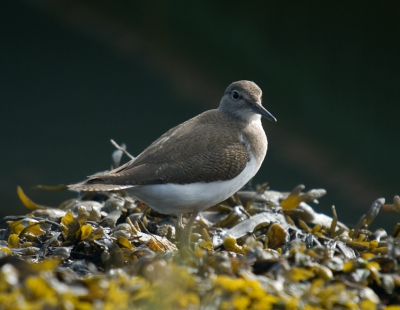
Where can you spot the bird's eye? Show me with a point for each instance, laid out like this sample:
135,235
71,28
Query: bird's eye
235,95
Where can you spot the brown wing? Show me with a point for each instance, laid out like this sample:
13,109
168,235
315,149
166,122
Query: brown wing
182,156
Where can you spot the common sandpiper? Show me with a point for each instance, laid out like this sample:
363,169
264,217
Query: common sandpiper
198,163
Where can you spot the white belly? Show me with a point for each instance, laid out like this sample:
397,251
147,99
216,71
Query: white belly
178,198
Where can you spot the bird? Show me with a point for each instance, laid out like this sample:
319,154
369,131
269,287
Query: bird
199,163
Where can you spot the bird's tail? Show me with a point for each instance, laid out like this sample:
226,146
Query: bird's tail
97,185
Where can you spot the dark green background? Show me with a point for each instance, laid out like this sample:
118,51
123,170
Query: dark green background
75,74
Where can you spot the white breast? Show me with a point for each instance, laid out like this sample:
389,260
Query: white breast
182,198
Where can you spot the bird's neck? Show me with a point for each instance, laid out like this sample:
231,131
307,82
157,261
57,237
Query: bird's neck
254,135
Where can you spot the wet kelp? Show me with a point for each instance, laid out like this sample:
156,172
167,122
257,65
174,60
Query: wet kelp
260,249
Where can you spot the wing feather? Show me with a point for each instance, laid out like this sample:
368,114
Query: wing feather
182,156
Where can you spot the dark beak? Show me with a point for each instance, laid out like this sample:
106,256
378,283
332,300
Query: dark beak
259,109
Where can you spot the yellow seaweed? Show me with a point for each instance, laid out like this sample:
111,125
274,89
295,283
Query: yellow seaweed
13,241
27,202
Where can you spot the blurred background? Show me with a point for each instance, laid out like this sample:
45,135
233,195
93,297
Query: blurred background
74,74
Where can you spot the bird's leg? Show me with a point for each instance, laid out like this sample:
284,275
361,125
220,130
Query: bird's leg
179,226
184,237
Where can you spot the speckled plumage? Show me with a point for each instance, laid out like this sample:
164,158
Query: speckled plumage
200,162
212,146
183,156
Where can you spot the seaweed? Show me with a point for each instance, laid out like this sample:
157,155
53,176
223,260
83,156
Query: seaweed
260,249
